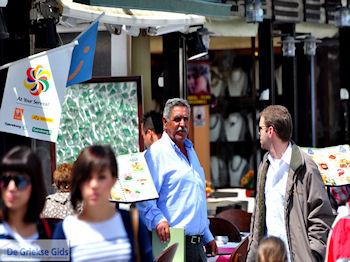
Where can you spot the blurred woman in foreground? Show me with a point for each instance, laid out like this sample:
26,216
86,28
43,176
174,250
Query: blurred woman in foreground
22,198
100,232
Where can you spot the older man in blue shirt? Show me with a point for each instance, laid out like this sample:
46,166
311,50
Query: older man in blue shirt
180,181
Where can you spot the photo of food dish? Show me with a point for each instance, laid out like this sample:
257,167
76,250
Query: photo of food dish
333,163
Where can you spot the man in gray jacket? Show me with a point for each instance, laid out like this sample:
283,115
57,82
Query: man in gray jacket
291,200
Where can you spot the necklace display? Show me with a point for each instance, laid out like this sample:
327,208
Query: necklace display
250,123
237,167
235,127
218,171
217,84
237,83
217,133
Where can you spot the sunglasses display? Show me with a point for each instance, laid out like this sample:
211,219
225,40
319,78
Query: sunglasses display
21,181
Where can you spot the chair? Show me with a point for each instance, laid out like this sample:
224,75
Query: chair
168,254
240,252
222,227
238,217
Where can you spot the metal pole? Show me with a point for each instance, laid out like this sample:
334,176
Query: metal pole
313,103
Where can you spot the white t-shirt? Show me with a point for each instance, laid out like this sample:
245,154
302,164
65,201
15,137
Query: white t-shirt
100,241
7,246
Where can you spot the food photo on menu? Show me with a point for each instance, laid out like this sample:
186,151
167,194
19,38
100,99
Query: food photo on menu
333,163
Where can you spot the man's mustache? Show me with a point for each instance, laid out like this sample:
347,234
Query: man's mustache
182,128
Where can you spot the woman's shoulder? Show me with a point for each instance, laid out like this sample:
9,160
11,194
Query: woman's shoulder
66,224
3,231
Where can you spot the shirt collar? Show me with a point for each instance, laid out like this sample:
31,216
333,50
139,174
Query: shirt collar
286,157
188,143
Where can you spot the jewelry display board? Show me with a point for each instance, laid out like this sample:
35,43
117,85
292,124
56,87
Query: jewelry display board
233,118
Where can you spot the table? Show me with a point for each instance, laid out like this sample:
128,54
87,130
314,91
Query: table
225,250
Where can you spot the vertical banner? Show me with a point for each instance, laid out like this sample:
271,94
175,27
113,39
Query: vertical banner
34,92
83,55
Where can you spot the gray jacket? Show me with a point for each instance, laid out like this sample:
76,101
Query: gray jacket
307,210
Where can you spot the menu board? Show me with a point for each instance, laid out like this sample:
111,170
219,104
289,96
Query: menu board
134,182
333,163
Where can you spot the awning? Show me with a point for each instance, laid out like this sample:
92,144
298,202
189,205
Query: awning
233,27
130,17
128,20
209,8
317,30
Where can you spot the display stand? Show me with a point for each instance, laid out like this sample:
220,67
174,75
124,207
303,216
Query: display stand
237,83
235,127
237,167
217,132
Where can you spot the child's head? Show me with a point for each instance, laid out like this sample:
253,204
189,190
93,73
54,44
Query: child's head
272,249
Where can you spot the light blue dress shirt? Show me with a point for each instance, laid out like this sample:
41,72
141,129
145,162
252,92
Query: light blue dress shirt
181,187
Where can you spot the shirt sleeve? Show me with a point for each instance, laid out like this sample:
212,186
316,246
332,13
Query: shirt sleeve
150,213
208,236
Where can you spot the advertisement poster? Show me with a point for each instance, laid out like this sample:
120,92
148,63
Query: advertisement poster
34,93
198,116
134,182
198,82
333,163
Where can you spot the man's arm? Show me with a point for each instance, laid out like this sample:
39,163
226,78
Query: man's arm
210,244
150,213
320,215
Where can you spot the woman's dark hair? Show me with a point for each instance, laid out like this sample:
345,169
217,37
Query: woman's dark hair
23,160
92,158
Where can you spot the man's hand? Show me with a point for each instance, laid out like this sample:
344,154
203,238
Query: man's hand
212,248
163,231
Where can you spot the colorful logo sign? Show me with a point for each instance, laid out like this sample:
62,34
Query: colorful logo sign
18,113
37,80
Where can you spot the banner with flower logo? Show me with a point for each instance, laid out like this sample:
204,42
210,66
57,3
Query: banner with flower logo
34,92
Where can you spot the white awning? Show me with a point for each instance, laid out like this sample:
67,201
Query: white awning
234,27
162,21
317,30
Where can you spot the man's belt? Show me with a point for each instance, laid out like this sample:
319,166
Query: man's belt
195,239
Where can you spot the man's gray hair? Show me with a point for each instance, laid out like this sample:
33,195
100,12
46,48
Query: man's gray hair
171,103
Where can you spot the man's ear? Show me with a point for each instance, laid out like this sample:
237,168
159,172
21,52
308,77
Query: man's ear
271,131
164,122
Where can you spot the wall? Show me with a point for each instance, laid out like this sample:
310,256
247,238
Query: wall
199,135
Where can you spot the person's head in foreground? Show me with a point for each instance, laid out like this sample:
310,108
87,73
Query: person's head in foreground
94,173
272,249
22,186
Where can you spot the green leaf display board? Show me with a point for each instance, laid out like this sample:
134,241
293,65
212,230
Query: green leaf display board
100,111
